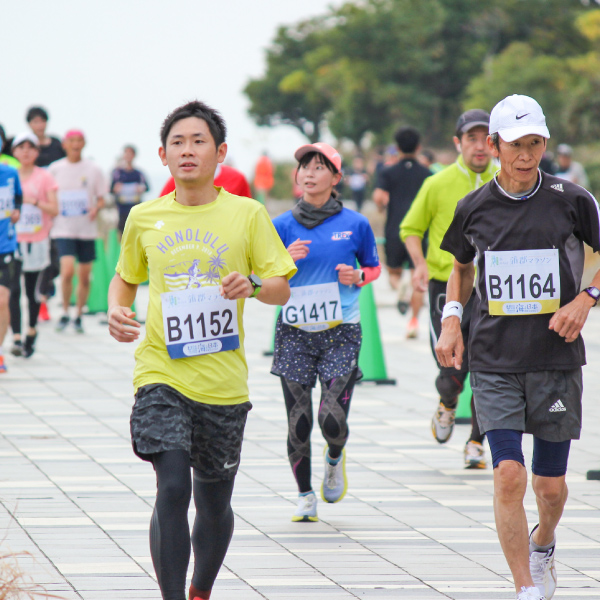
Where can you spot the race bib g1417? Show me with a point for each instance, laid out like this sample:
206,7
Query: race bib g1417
314,307
522,282
199,321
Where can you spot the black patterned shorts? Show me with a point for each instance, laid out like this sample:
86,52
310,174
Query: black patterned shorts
301,355
163,419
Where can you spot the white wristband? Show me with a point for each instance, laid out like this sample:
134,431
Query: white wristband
452,309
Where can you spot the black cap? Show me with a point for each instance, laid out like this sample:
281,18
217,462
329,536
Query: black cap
472,118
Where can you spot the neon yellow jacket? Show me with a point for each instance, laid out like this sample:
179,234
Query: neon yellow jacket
433,210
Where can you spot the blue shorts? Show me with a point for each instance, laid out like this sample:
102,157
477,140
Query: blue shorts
83,250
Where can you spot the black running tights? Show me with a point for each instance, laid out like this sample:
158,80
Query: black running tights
32,280
169,530
336,395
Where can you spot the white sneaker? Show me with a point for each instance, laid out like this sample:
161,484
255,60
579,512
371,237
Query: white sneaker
307,508
335,483
474,456
442,423
543,569
530,593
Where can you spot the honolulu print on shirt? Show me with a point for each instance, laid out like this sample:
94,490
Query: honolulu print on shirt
196,272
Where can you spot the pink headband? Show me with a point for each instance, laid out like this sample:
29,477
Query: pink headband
73,133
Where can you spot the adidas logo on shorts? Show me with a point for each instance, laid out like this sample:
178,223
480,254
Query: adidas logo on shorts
558,406
558,187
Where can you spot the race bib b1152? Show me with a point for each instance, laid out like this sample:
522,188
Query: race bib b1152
199,321
522,282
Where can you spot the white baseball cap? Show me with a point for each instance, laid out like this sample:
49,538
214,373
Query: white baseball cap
25,136
516,116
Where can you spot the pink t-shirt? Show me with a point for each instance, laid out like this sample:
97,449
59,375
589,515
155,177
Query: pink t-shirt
80,185
34,224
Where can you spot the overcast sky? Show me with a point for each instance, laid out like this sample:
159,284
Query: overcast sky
115,68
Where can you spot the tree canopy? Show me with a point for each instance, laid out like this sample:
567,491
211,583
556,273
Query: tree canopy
367,67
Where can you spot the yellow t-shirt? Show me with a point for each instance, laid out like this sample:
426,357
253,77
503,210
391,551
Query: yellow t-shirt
190,247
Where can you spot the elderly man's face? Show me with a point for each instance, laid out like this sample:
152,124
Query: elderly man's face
520,159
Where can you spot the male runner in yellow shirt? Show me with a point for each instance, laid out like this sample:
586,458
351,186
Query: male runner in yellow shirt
206,251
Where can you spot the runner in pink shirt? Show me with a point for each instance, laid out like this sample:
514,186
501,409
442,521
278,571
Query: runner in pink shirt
40,205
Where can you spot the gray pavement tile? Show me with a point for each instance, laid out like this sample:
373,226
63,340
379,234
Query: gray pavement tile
414,524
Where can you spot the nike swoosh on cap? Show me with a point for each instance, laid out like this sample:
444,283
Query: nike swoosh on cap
521,116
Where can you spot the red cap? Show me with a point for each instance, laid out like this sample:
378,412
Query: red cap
73,133
325,149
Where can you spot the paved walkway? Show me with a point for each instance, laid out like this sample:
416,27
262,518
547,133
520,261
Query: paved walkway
414,525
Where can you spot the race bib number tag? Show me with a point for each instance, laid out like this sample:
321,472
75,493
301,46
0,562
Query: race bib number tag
314,307
199,321
129,193
73,203
7,204
30,220
522,282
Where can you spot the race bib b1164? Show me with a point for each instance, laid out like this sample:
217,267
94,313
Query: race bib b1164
522,282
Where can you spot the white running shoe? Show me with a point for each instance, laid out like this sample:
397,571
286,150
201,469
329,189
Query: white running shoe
442,423
474,456
335,483
530,593
543,569
307,508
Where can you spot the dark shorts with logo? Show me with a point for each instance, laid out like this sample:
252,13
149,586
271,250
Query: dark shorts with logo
7,269
546,404
163,419
301,355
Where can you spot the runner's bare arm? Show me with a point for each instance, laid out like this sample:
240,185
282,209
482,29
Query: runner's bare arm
100,203
450,346
50,207
299,249
420,276
348,275
569,320
275,290
121,324
381,198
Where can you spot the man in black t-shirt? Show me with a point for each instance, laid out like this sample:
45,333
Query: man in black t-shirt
397,187
525,231
50,147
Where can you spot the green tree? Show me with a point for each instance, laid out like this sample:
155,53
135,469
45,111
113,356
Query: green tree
517,70
289,92
369,66
582,103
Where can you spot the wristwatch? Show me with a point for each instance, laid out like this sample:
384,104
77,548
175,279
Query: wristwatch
256,283
594,292
362,275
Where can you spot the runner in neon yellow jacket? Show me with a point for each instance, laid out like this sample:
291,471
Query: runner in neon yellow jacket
433,211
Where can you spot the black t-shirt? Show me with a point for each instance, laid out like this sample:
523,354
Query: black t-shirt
402,181
556,219
48,154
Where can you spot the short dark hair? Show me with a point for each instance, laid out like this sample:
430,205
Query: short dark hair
36,111
322,159
130,147
496,140
407,139
213,119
